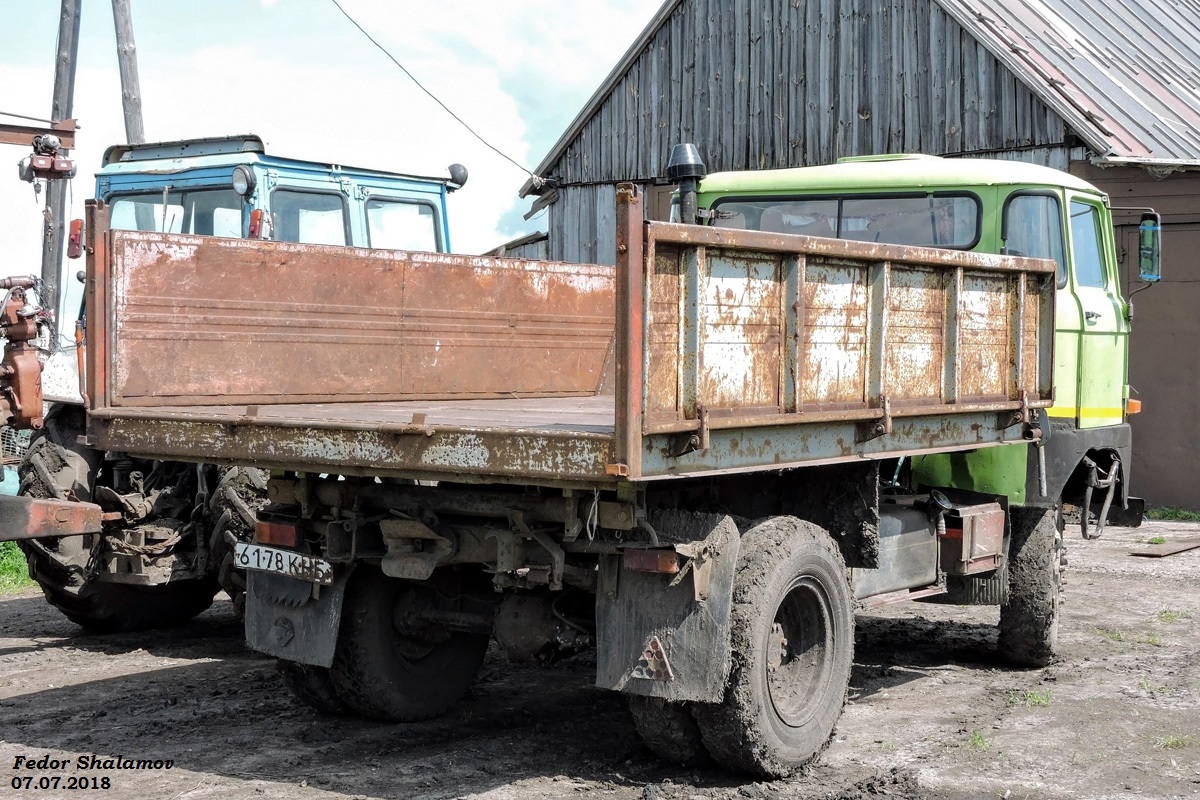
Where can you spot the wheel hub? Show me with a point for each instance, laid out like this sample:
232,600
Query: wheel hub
799,649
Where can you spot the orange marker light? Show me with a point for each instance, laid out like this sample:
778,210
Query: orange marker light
276,533
1133,406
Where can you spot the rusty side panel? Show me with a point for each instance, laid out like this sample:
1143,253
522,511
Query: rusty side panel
751,329
833,352
741,332
914,348
985,352
199,318
664,331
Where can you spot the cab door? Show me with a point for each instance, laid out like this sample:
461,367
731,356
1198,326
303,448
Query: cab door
1101,325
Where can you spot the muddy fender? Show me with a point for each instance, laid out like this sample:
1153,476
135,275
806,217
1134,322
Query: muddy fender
284,620
667,635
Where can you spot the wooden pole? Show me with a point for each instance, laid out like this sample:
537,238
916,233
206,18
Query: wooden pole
61,109
131,93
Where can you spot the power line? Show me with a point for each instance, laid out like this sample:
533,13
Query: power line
22,116
384,50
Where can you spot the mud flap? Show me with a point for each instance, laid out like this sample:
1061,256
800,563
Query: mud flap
667,635
285,622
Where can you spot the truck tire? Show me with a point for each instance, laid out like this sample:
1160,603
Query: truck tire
792,646
668,729
384,675
1029,620
312,686
60,565
240,493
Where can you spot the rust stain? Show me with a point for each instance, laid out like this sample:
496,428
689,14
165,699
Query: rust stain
203,317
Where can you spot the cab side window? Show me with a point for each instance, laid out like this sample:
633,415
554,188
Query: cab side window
1033,228
1087,246
401,225
308,217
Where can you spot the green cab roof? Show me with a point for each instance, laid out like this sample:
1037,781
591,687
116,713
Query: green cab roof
895,172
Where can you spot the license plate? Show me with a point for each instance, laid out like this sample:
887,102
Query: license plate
283,562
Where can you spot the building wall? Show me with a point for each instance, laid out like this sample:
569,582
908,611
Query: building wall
1164,349
760,84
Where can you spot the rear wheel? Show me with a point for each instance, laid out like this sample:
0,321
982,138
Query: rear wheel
312,686
668,729
792,642
1029,620
55,466
385,669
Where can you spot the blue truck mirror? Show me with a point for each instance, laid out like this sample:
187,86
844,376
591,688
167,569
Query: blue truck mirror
1150,248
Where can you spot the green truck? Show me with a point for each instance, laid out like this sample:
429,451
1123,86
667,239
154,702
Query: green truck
820,391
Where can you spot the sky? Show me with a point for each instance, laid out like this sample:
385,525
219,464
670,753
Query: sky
298,74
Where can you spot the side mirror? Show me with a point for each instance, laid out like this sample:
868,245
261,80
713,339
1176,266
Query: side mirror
1150,248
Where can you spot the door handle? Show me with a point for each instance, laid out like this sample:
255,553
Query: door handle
1091,316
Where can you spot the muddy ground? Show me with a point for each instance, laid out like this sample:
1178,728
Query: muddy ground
933,711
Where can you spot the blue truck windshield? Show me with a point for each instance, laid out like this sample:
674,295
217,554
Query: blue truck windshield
207,212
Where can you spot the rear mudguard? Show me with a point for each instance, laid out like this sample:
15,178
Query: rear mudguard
667,635
285,620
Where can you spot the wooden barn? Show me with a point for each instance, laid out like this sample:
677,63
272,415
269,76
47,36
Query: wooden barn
1109,91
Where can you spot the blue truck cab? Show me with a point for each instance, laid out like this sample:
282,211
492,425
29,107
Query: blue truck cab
213,187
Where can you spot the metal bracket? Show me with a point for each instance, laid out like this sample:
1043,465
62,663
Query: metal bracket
691,442
880,427
1022,416
700,564
414,549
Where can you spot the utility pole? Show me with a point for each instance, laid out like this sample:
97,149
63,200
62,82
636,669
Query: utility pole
56,191
131,93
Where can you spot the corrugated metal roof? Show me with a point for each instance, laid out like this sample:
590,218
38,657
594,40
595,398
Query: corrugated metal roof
1124,74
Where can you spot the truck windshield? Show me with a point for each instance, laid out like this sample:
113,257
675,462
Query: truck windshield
207,212
400,225
935,220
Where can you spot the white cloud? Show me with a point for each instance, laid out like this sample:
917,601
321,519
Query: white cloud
489,62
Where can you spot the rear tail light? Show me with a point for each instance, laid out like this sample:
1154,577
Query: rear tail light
276,533
260,224
665,562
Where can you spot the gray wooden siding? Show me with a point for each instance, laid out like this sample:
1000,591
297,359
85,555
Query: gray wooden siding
583,224
762,84
777,83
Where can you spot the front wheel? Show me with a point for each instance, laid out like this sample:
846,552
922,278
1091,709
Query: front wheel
1029,620
386,670
792,641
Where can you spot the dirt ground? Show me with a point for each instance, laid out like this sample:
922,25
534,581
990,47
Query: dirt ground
933,711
